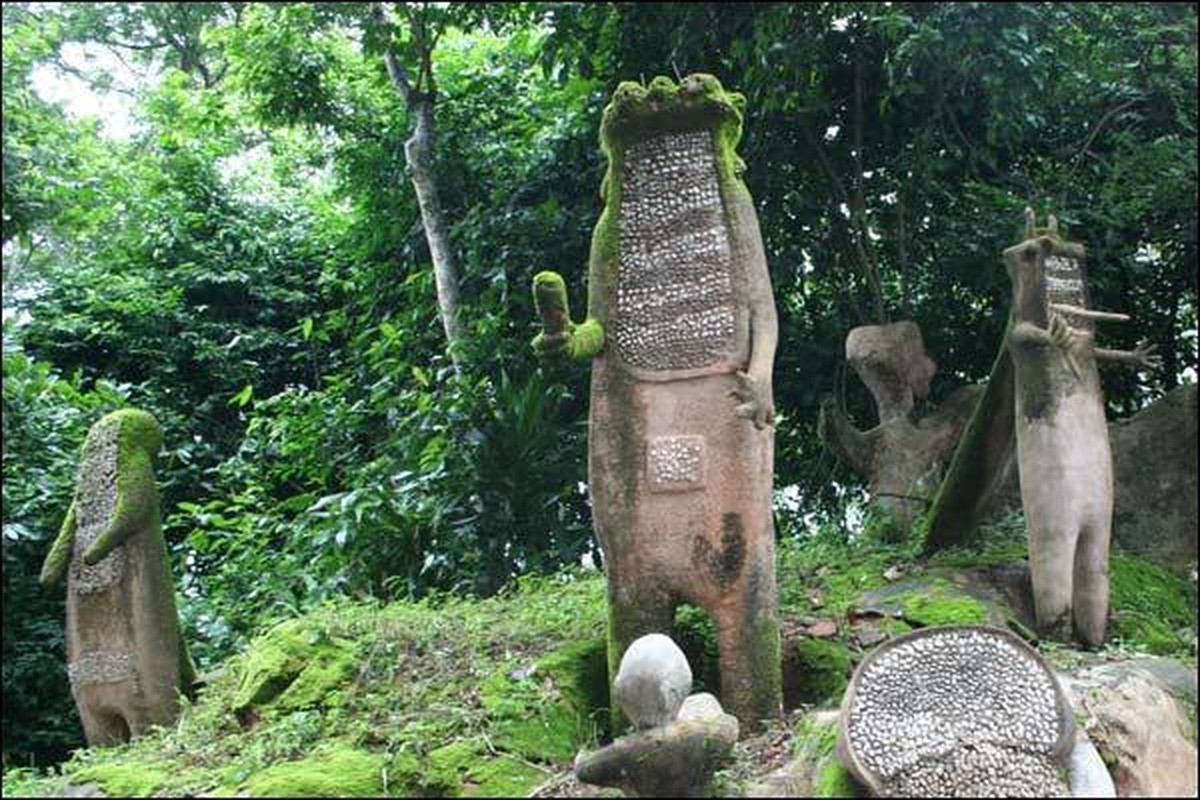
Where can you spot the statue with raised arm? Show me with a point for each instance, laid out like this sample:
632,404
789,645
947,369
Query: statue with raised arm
127,660
1063,456
681,330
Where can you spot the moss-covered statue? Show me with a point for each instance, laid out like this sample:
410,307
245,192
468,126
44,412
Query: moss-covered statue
126,658
681,326
1063,455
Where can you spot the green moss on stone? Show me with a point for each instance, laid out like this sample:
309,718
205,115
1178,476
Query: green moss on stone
549,714
340,772
468,768
942,605
813,739
834,781
930,610
823,668
131,779
294,665
327,670
1150,605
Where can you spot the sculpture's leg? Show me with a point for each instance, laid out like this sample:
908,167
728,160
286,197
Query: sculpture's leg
634,612
1091,583
140,723
1051,567
748,638
103,728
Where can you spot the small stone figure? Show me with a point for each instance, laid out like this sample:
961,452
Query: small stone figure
127,661
676,756
681,330
956,711
653,681
1063,455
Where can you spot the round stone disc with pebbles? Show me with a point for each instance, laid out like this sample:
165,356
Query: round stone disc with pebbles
957,711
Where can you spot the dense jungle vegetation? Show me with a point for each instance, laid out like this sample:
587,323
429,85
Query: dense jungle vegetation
247,260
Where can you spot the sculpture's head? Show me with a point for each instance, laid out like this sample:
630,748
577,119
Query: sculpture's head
134,428
697,102
1045,269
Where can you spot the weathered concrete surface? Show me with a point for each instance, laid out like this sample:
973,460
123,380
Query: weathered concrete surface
891,361
126,658
901,458
1088,775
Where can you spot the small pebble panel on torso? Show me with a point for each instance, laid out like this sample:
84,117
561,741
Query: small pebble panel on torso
957,714
675,301
1064,284
95,507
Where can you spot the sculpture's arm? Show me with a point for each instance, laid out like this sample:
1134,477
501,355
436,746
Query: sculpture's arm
1141,357
847,443
560,336
60,552
1069,341
754,385
1024,333
136,500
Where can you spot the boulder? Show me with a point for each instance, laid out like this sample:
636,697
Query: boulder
1136,714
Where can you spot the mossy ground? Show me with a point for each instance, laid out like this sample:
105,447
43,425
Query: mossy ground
494,697
440,697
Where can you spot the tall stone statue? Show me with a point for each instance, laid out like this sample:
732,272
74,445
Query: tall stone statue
126,658
681,328
1063,455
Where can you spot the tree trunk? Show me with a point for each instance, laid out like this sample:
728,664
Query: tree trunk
418,152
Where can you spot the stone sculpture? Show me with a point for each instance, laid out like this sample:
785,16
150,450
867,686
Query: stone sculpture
956,711
680,742
127,661
900,457
681,328
1063,454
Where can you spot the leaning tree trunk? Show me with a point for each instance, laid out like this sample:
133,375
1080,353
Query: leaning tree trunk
980,462
418,152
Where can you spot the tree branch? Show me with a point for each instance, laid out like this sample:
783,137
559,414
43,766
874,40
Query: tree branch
396,71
